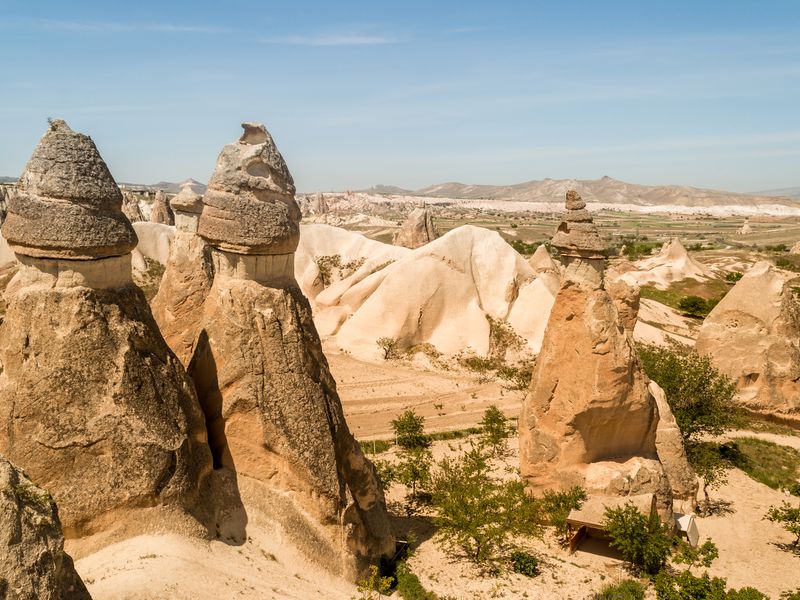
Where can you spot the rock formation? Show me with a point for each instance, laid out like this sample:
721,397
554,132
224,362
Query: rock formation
753,336
271,406
319,205
131,208
33,564
161,212
672,264
541,261
3,203
795,249
579,245
745,228
95,407
417,230
672,454
588,418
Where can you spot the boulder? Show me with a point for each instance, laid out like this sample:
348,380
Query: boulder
161,212
66,203
249,207
417,230
33,564
753,336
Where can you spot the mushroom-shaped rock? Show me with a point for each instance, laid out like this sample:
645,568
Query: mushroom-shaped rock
249,207
109,424
33,564
753,336
578,242
417,230
187,206
66,203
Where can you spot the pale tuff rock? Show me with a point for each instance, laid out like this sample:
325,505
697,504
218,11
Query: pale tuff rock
417,230
271,408
672,264
33,564
319,206
578,243
745,228
109,422
672,454
541,261
249,207
795,249
187,206
162,213
66,203
3,203
131,208
753,336
588,418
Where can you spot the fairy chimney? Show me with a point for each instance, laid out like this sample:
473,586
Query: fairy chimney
579,245
110,424
162,213
187,206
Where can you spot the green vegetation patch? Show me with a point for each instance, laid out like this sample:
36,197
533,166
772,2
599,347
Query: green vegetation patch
769,463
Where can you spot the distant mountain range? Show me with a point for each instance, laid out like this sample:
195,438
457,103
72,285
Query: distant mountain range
606,190
169,187
8,179
792,192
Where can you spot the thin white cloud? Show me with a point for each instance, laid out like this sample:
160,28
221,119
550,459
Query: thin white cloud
116,27
339,39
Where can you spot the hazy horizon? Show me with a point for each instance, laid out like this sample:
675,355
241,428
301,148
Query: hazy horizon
358,94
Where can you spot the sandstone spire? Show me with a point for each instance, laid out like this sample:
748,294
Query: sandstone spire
417,230
270,402
130,207
578,242
588,418
162,213
66,203
753,336
109,423
33,563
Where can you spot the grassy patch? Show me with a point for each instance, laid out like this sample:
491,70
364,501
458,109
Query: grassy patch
773,465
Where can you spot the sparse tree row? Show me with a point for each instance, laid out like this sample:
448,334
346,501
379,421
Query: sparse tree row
212,410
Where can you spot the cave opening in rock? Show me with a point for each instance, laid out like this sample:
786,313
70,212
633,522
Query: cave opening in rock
203,371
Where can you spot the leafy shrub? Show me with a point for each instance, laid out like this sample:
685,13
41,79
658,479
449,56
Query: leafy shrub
414,471
409,430
685,554
525,563
556,506
643,540
409,586
695,306
789,595
325,266
389,347
495,431
385,472
476,513
629,589
789,517
373,587
524,248
519,377
733,276
686,586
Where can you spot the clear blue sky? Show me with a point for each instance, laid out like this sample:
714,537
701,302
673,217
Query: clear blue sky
413,93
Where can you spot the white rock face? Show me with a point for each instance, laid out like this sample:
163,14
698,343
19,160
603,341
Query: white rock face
672,264
417,230
753,336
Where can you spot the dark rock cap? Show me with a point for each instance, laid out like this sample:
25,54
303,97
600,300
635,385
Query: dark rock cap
66,204
249,207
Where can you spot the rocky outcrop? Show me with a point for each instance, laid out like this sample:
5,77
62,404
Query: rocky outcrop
579,246
745,228
626,298
66,204
417,230
672,455
673,263
95,406
131,208
3,203
271,407
33,564
795,249
249,207
319,206
541,261
187,206
753,336
588,418
161,212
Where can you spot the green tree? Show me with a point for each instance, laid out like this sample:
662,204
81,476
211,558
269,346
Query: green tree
495,431
686,586
414,471
409,431
629,589
389,347
789,517
556,507
374,586
684,553
476,513
642,540
693,305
